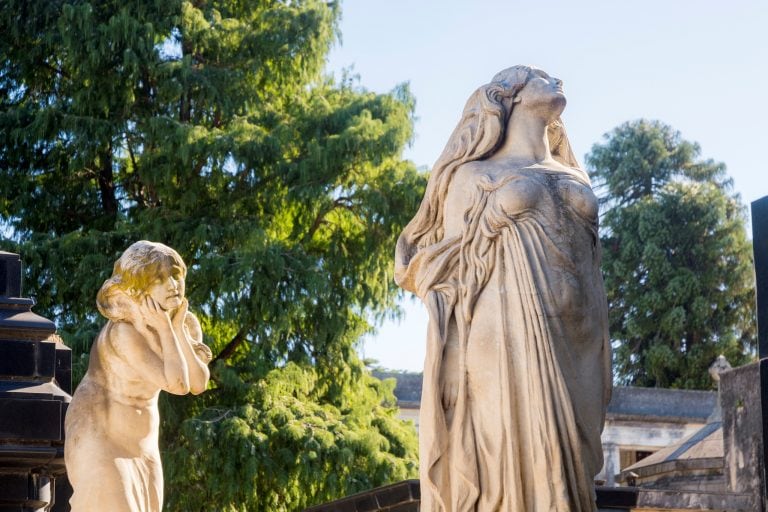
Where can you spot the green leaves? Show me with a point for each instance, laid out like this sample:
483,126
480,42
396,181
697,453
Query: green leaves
208,126
640,157
343,449
676,260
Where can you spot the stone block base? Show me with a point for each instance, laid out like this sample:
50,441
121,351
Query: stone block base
405,497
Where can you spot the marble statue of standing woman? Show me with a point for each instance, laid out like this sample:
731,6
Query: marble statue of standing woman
505,254
150,343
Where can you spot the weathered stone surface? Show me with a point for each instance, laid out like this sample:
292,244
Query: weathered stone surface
504,253
742,428
671,501
403,497
151,343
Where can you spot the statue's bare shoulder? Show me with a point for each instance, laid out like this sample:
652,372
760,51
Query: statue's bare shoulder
125,338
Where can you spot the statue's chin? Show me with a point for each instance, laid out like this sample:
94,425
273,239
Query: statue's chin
171,304
549,106
557,104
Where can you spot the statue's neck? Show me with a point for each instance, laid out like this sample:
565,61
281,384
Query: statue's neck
525,140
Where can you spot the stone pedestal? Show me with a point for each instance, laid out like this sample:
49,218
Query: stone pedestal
743,428
35,378
405,497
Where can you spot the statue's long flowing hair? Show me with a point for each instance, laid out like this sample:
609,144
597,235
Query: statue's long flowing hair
478,134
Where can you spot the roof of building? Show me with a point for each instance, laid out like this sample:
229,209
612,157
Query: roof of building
627,401
408,388
706,443
662,403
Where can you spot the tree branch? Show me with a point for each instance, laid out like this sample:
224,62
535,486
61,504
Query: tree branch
341,202
56,70
230,347
107,184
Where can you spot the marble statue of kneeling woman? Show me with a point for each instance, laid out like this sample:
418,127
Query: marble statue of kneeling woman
150,343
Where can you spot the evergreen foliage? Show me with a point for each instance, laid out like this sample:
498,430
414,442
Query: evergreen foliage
676,259
207,125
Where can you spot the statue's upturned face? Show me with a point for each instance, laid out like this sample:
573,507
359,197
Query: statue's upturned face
543,92
168,289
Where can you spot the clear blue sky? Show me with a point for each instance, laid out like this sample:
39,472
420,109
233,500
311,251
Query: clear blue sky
700,66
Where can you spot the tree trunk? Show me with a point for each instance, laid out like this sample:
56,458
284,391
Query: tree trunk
107,184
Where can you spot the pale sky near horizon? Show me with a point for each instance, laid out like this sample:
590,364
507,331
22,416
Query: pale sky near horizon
699,66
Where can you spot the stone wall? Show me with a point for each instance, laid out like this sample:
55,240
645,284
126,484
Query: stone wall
404,497
742,428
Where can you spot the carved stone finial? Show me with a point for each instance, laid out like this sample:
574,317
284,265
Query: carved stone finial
720,365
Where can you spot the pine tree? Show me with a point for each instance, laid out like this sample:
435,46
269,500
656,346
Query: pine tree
676,259
208,126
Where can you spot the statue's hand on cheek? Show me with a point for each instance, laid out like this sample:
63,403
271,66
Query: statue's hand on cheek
178,318
135,312
155,317
132,308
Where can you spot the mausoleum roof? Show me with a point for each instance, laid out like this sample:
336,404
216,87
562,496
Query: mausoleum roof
662,403
408,387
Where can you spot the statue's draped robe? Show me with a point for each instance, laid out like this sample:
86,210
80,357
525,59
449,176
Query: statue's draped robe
522,292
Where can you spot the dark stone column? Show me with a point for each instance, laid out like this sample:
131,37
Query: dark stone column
35,378
760,248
